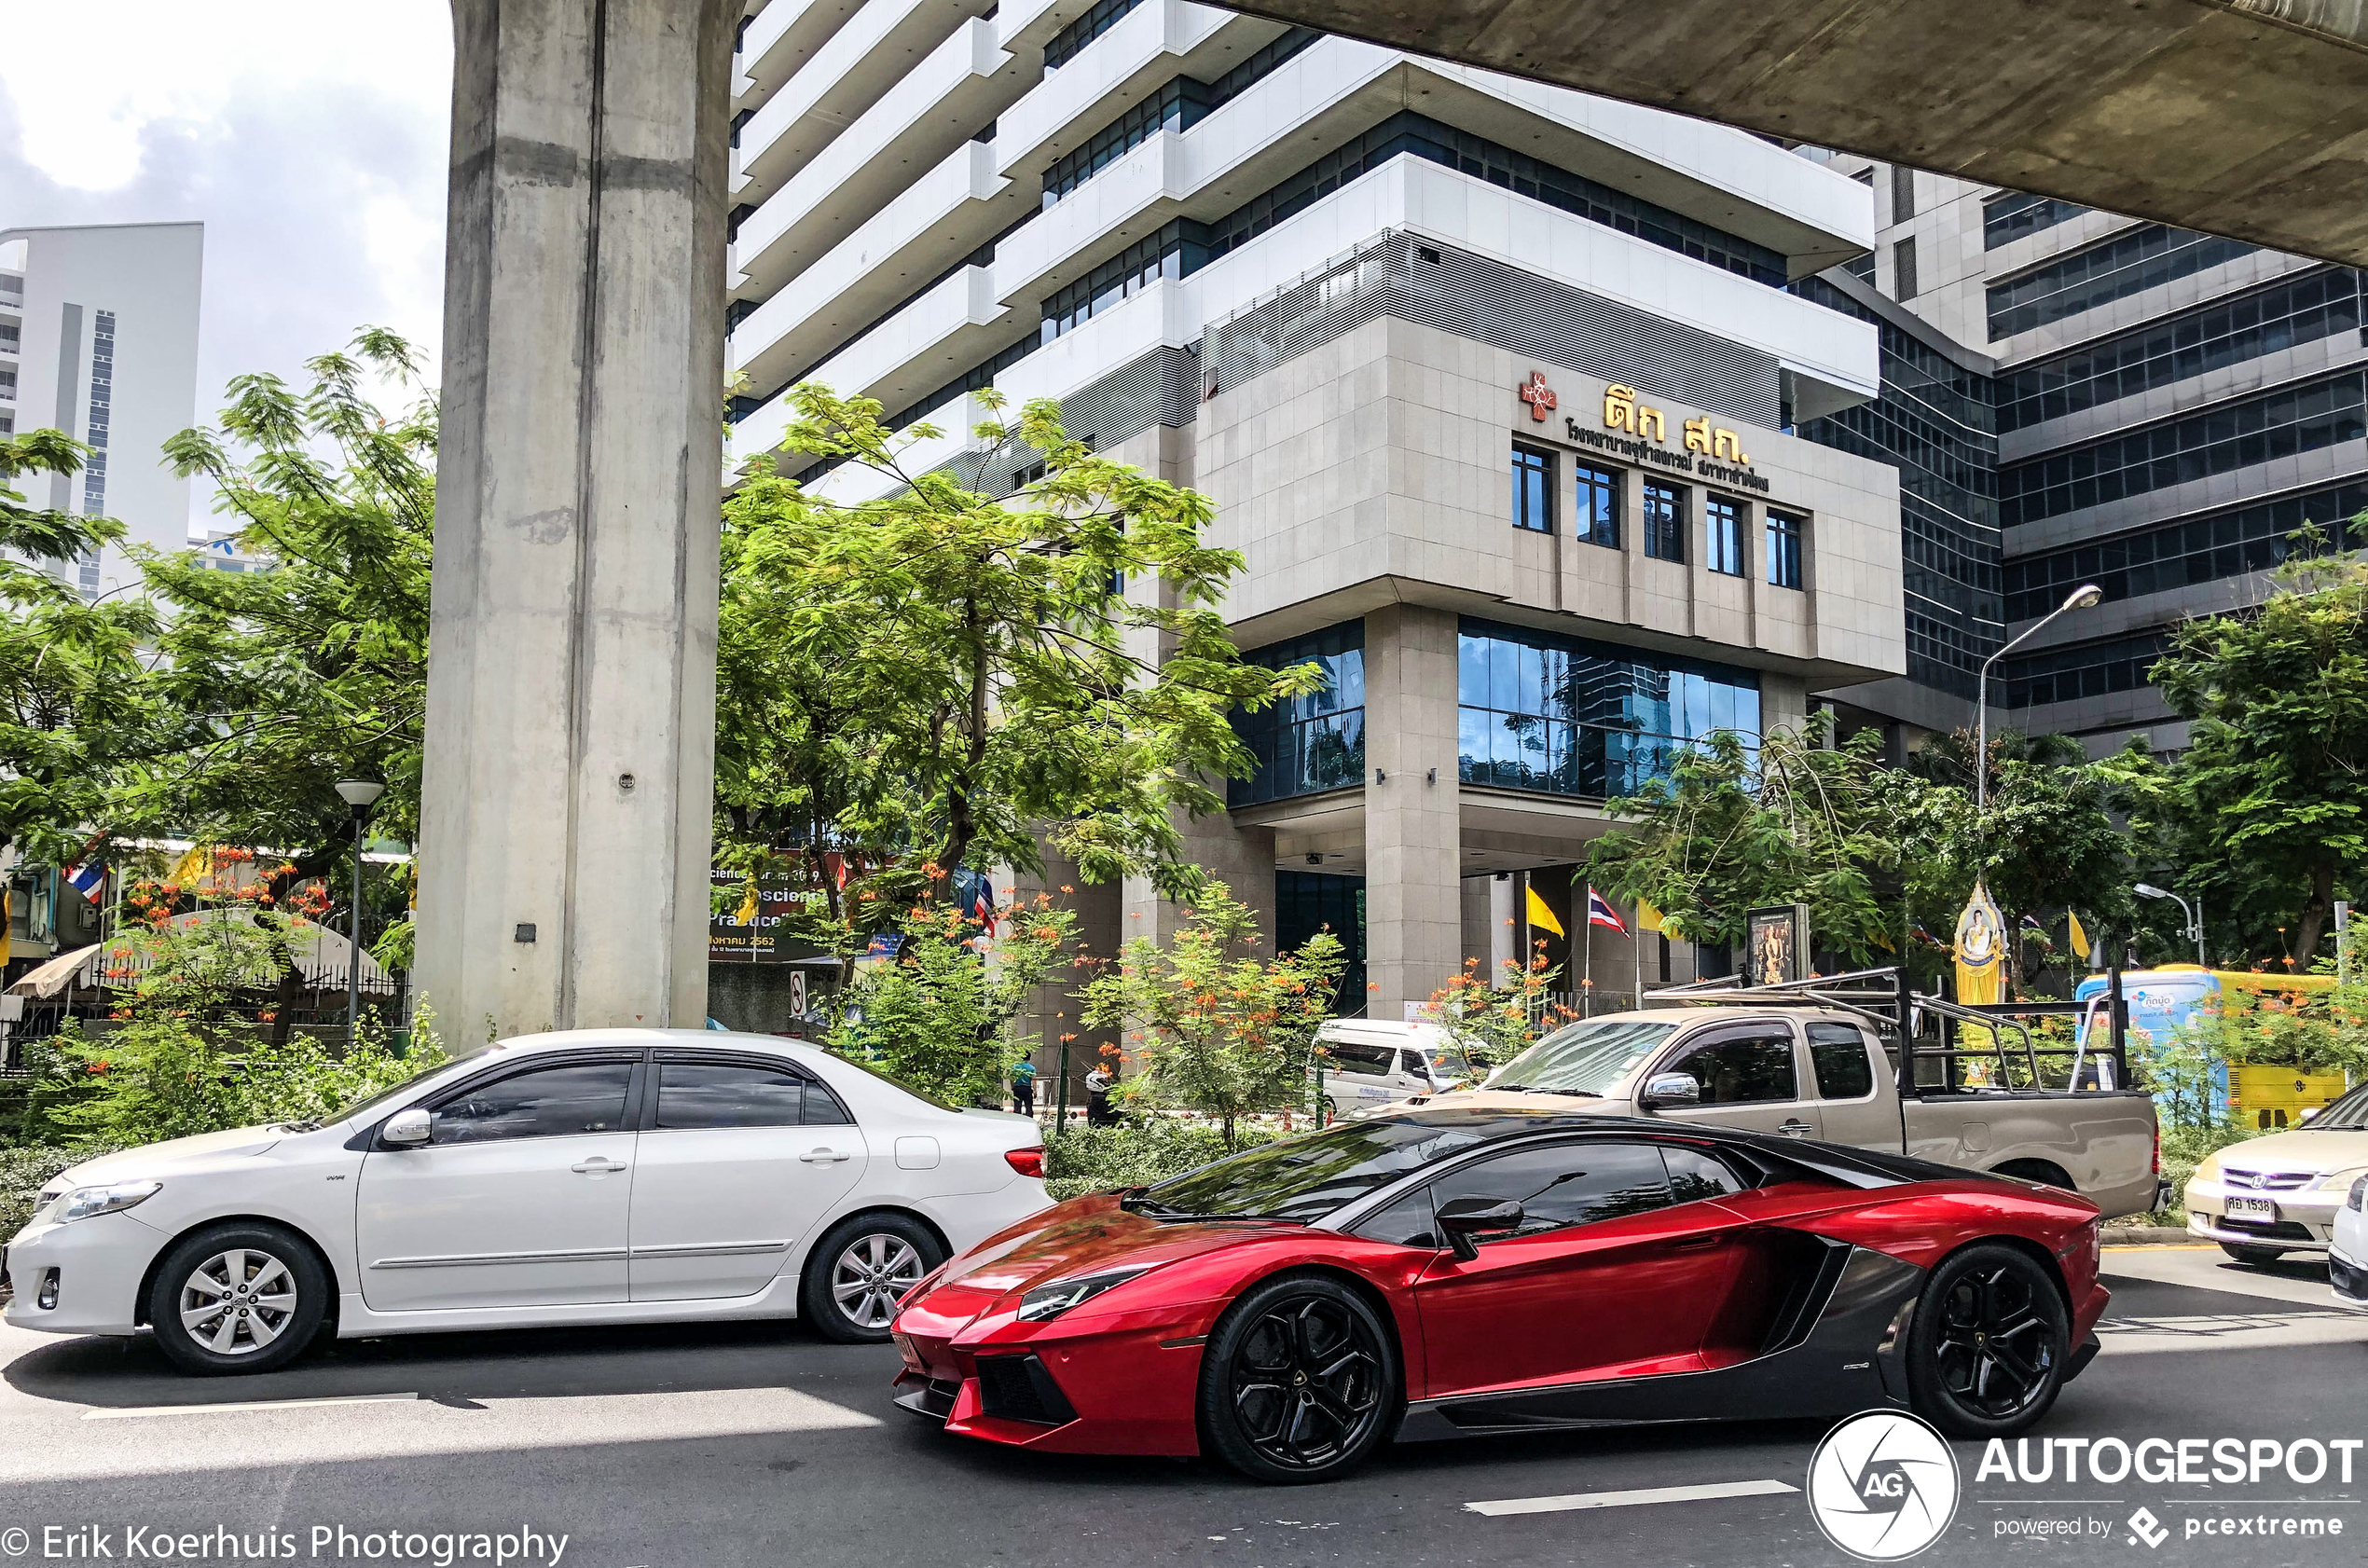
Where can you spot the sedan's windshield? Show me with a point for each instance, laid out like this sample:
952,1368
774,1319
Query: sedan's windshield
1584,1058
369,1103
1307,1177
2347,1115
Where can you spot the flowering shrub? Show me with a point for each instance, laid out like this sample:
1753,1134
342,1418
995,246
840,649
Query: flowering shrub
937,1015
1497,1022
1216,1029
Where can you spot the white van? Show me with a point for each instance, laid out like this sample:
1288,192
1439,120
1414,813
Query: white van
1371,1062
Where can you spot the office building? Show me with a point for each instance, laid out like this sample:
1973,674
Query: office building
1492,384
99,338
2165,410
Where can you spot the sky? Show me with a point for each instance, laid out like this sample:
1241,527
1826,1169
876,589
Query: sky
309,136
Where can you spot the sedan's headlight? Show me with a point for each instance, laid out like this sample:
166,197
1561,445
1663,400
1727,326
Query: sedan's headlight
84,1201
1048,1301
2340,1181
2206,1168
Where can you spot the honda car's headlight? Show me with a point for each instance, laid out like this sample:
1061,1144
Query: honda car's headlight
1048,1301
84,1201
2341,1181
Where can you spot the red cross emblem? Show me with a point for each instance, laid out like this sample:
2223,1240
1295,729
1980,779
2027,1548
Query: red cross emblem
1538,394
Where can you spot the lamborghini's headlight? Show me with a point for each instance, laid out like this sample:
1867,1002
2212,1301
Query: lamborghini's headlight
1048,1301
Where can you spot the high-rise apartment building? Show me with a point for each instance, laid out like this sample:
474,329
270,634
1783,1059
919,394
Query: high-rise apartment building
1494,385
2162,411
99,338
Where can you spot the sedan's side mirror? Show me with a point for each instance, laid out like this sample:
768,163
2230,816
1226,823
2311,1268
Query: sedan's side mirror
1463,1219
405,1129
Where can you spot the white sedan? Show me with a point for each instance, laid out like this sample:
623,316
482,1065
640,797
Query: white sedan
599,1176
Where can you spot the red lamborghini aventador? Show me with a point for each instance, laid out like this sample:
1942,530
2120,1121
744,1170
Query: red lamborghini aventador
1297,1306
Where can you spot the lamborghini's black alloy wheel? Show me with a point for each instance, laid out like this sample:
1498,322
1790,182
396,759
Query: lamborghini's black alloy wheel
1989,1344
1300,1381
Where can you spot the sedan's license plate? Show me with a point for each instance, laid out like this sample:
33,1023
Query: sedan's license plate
2251,1208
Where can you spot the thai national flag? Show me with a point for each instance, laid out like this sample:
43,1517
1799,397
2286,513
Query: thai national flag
983,907
90,881
1601,914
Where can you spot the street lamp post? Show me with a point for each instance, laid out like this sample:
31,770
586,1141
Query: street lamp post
2083,597
360,795
2194,914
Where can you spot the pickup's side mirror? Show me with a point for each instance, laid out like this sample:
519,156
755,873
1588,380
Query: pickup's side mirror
1463,1219
1670,1089
406,1128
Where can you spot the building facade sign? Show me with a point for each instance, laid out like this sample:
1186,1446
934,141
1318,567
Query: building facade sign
1638,432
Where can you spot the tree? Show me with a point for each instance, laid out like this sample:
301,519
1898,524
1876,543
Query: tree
1219,1030
316,669
2046,841
937,1015
74,701
1791,820
2267,808
944,678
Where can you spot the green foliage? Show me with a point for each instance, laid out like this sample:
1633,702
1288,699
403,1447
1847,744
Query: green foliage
1137,1153
315,670
1216,1028
947,677
1733,828
170,1069
938,1017
1495,1023
25,1171
2265,812
73,703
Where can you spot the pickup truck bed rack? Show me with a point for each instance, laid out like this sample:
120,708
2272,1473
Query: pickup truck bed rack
1966,1038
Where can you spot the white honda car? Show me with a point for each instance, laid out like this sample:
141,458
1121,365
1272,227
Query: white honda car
600,1176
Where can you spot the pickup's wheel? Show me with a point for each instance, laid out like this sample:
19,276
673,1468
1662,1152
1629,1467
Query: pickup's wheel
2253,1257
236,1297
1301,1382
1987,1351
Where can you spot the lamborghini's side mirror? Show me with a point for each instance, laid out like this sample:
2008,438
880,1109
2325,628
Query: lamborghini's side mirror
1464,1218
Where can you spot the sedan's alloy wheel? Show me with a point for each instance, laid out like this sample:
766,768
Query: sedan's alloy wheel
1995,1349
873,1276
1307,1383
239,1302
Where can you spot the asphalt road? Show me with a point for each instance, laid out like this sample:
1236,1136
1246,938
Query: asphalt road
670,1447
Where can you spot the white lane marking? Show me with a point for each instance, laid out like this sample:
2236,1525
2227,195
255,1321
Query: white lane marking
2230,1331
1629,1499
136,1412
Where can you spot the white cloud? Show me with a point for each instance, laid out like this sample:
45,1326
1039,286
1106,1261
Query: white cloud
309,137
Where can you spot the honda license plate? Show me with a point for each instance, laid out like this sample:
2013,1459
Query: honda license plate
2251,1208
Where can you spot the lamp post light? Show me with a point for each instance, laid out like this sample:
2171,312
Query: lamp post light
2195,914
360,795
2083,597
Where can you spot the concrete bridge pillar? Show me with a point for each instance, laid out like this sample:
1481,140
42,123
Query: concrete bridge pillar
564,836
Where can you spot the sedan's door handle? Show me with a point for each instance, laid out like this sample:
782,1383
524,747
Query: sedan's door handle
599,1165
1794,1128
824,1156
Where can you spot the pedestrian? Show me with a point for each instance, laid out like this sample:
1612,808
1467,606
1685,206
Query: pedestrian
1024,1087
1097,1098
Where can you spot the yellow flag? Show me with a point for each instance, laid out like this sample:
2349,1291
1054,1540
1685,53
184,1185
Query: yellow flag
1647,917
1541,915
2079,937
748,906
198,862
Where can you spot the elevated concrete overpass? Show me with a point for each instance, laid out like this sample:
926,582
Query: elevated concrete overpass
2243,117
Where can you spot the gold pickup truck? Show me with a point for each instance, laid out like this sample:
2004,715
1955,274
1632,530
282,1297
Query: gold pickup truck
1807,1071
